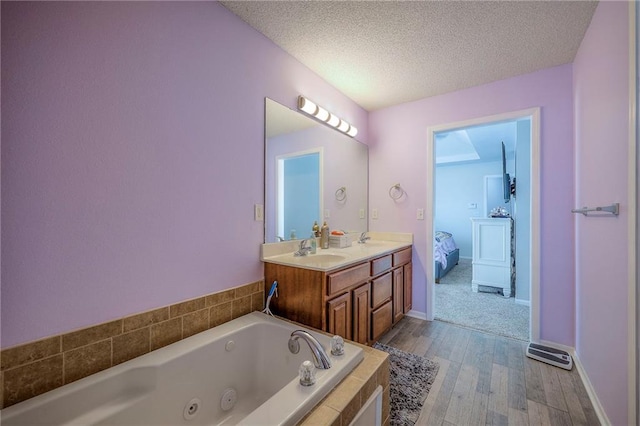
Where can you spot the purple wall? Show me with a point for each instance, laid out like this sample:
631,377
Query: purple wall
397,153
132,156
601,90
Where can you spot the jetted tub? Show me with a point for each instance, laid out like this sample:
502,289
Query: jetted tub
244,366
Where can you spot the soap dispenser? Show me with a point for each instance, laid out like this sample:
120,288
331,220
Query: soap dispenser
316,229
324,236
314,243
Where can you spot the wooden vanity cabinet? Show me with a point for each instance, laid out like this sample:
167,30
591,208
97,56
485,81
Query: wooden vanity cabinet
360,302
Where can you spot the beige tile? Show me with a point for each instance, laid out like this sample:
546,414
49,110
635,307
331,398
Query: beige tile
185,307
145,319
165,333
91,334
383,374
195,322
257,301
221,297
248,289
368,388
131,345
322,415
367,368
87,360
18,355
240,307
344,393
352,408
32,379
220,314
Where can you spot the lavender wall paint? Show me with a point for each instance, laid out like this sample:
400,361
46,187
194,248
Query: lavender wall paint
601,90
132,156
397,153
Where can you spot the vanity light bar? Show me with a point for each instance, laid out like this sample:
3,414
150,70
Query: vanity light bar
322,114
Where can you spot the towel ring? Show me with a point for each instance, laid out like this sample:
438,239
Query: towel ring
341,193
396,192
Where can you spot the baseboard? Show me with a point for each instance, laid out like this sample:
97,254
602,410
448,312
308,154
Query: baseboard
523,302
417,314
465,257
597,407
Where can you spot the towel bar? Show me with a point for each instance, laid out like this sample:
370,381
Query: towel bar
614,209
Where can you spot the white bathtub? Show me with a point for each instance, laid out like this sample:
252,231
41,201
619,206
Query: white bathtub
249,355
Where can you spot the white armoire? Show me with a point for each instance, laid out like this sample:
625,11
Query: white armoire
493,256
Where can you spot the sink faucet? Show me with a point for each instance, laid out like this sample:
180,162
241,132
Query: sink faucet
303,250
320,358
363,238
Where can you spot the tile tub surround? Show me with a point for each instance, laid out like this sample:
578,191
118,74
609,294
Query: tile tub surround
343,403
33,368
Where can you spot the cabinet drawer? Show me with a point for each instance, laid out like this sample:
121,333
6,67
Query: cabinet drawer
342,280
402,257
381,289
380,321
380,265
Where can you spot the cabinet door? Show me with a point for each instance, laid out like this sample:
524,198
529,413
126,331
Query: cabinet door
339,313
408,287
381,320
361,313
398,294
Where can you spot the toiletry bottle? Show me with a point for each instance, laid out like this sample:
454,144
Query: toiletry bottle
314,243
324,236
316,229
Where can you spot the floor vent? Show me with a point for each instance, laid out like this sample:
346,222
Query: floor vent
550,355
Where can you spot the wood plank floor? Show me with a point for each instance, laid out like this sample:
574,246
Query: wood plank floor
487,379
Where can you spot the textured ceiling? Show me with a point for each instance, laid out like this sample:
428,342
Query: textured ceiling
385,53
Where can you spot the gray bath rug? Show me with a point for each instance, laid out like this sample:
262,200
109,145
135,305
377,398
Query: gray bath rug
410,380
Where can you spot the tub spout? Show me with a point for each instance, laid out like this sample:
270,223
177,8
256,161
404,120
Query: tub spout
320,358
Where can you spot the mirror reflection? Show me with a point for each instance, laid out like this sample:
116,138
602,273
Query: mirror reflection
313,174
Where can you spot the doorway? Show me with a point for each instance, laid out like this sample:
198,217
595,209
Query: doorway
298,194
525,209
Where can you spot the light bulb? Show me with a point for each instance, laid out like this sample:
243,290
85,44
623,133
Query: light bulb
322,114
344,126
353,131
333,120
307,106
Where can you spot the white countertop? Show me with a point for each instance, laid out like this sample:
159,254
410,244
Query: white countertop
326,260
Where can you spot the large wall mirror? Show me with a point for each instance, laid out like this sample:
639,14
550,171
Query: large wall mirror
313,173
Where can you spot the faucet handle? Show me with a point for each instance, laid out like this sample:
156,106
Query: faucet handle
307,373
337,346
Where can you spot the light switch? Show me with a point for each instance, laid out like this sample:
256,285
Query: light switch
258,212
420,214
374,213
327,214
472,206
361,213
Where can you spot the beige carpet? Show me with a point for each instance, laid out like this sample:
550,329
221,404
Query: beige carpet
486,310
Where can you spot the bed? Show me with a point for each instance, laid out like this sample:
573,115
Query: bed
445,253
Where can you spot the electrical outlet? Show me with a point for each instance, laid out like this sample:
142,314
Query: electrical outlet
472,206
258,212
327,214
361,213
374,213
420,214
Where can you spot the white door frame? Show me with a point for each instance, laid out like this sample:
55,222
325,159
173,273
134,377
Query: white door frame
534,279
